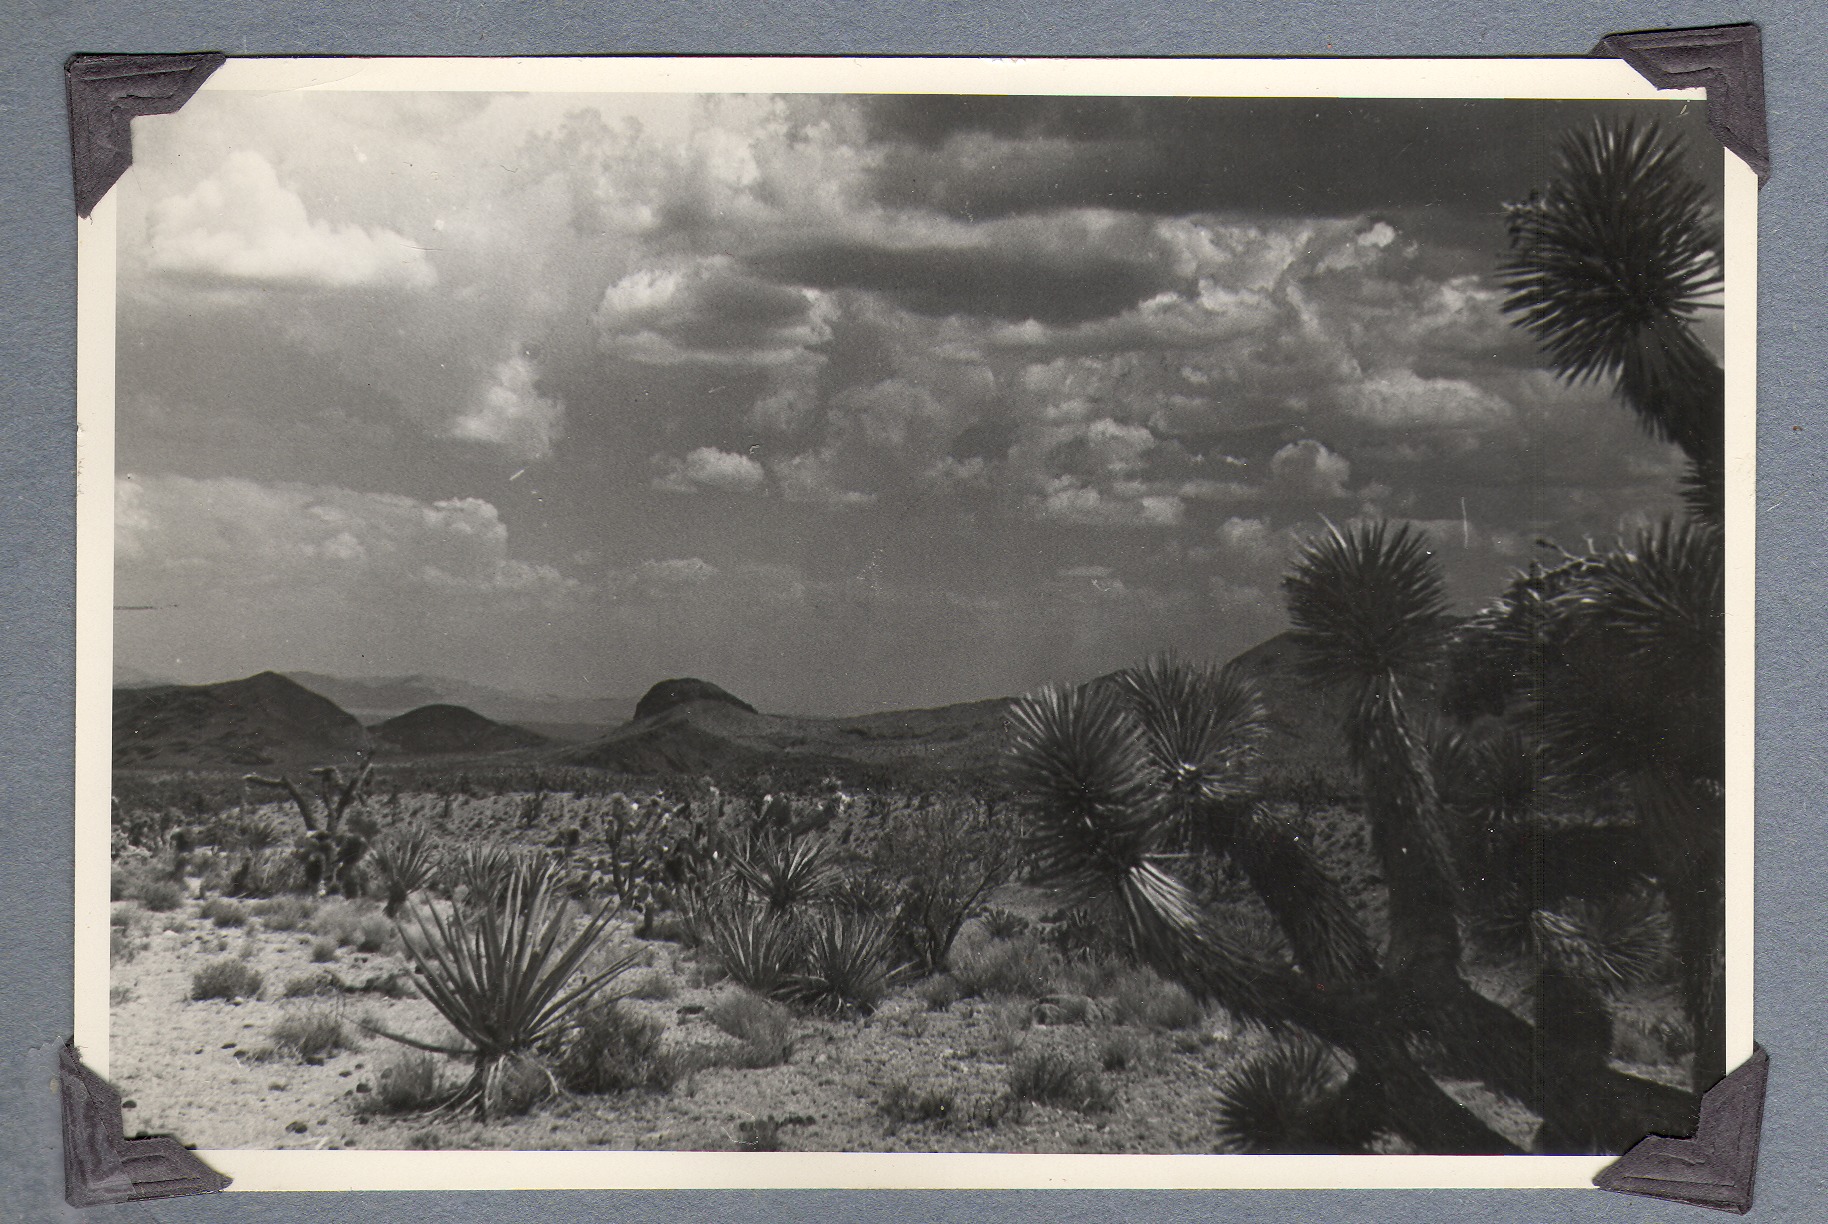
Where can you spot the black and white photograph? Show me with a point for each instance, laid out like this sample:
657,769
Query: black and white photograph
721,616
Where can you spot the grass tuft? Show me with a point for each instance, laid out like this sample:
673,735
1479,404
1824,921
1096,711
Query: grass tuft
901,1106
1049,1077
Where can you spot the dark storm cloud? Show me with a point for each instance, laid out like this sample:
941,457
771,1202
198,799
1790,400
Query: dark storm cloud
983,282
983,157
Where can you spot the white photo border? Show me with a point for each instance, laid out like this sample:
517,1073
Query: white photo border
1514,79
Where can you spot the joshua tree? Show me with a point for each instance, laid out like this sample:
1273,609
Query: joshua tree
1622,655
1620,659
1608,267
329,850
1119,781
1368,608
1115,778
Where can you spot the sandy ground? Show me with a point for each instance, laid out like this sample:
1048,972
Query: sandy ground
204,1071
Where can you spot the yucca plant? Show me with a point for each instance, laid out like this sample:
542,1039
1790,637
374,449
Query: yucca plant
1292,1099
1609,267
1099,831
509,977
786,873
755,946
484,871
405,862
845,962
1632,694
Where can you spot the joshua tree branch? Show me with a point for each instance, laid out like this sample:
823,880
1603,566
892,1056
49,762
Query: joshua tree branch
286,784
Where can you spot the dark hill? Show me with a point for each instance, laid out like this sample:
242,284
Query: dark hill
671,694
441,730
728,739
697,728
262,721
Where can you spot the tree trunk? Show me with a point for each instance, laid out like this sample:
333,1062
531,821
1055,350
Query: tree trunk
1487,1041
1403,811
1686,826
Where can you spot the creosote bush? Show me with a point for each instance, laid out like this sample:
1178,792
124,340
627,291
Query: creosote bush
229,978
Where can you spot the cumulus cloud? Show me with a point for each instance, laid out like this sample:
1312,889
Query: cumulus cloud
511,413
242,225
708,312
1250,537
709,468
233,532
1403,399
1308,469
812,477
1067,501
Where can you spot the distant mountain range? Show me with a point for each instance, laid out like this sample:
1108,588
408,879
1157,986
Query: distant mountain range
263,721
372,699
680,726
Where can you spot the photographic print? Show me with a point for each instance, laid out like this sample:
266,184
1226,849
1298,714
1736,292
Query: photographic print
895,622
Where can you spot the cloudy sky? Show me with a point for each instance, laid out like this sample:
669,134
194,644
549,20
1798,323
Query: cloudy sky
844,403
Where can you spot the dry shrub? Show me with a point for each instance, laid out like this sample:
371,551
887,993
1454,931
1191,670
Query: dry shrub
284,913
225,979
1023,968
1120,1051
611,1050
224,912
412,1082
314,1034
654,986
311,986
353,924
157,894
763,1030
901,1106
1144,998
939,992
